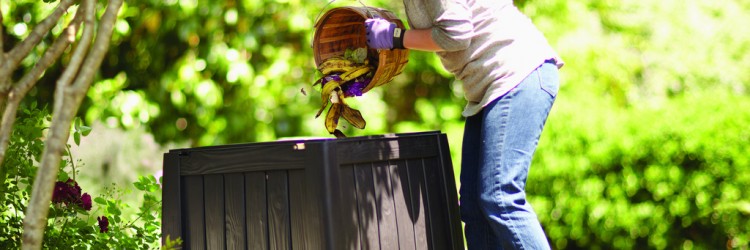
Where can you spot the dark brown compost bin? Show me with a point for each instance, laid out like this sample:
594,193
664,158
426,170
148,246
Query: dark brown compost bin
377,192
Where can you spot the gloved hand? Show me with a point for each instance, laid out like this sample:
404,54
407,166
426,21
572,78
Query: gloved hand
382,34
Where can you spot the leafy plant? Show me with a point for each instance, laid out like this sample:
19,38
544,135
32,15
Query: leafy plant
76,219
646,178
25,148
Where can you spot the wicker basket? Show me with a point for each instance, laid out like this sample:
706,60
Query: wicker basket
343,28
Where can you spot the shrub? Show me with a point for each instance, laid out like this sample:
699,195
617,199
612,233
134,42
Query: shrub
76,220
664,178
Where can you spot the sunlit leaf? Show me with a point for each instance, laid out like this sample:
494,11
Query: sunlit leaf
77,138
85,130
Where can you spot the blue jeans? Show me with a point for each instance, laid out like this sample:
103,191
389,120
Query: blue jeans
498,146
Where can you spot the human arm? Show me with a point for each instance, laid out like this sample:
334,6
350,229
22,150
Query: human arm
382,34
436,26
421,39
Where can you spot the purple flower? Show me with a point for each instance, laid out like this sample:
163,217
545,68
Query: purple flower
103,224
73,192
355,88
60,193
86,202
67,192
331,77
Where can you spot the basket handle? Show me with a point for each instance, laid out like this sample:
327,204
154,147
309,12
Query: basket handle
315,21
367,9
369,14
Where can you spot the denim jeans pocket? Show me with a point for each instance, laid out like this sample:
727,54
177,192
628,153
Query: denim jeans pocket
548,79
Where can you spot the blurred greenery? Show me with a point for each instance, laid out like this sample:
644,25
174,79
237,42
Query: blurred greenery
655,177
645,148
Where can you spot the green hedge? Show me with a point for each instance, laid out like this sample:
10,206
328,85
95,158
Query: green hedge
670,177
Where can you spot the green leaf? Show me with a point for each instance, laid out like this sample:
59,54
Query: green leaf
348,54
100,200
359,55
62,176
139,186
85,130
77,124
114,210
77,138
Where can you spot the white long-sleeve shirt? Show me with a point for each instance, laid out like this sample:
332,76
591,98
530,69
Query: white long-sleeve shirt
489,44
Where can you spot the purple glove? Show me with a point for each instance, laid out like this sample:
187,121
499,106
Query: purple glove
382,34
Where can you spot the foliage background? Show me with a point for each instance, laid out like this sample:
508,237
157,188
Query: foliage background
646,146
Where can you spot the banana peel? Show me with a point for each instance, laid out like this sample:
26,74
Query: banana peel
353,116
356,72
331,92
338,134
336,65
339,110
326,94
332,118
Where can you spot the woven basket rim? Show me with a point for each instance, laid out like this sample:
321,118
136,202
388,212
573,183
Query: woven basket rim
380,77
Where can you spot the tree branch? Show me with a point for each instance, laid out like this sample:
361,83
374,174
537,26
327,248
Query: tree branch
78,54
10,61
4,78
41,193
19,52
2,40
100,47
36,215
30,79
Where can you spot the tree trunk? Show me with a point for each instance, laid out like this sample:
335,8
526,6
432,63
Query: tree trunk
36,213
68,98
11,94
19,91
12,59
